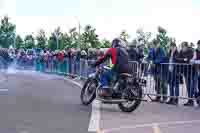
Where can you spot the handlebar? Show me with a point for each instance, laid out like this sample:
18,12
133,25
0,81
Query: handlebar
99,68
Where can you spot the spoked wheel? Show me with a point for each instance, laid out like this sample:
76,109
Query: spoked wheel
88,92
133,97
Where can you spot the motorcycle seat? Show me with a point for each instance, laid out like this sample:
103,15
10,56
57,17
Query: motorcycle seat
125,75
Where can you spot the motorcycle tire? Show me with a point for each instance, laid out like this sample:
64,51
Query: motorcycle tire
88,82
137,101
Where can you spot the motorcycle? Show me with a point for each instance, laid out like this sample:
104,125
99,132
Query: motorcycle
126,90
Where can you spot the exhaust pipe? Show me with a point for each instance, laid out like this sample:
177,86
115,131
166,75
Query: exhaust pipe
111,101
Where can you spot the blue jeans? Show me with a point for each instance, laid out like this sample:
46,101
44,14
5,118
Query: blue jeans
106,77
196,83
174,84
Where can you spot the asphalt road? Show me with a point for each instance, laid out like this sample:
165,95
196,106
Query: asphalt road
168,118
38,103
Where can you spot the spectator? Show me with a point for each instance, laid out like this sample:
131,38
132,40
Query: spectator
83,63
196,61
173,75
133,53
157,55
61,61
77,62
184,57
141,52
83,54
4,58
68,54
55,61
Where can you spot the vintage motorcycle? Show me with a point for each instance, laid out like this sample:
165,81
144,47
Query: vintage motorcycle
126,90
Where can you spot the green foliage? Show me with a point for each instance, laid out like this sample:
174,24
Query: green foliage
29,42
19,43
55,41
124,35
163,38
89,39
105,43
41,39
143,38
66,41
52,44
72,39
7,32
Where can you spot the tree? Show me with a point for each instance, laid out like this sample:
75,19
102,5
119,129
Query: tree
143,38
54,41
7,32
29,41
41,39
105,43
89,39
74,38
124,35
163,38
19,43
66,41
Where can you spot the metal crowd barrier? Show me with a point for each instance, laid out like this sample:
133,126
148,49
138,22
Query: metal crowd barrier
167,80
170,80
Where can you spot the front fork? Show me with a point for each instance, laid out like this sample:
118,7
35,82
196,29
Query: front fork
97,89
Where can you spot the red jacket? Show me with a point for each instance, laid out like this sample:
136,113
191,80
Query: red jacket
61,56
119,58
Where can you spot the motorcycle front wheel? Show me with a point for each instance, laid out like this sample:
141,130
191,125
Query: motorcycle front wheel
88,92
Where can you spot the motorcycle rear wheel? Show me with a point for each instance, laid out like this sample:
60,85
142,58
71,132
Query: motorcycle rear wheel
134,100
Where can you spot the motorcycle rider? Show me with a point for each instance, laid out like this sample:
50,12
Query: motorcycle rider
119,56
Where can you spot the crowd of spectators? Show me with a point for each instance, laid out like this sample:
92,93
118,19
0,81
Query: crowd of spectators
169,67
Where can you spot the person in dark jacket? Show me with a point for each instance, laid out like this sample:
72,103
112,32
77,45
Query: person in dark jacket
119,56
173,74
133,53
140,50
184,57
157,56
4,58
196,64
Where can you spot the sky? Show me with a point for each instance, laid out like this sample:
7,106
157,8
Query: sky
109,17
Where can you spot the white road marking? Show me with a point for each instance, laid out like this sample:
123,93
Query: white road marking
3,90
151,125
156,129
94,125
